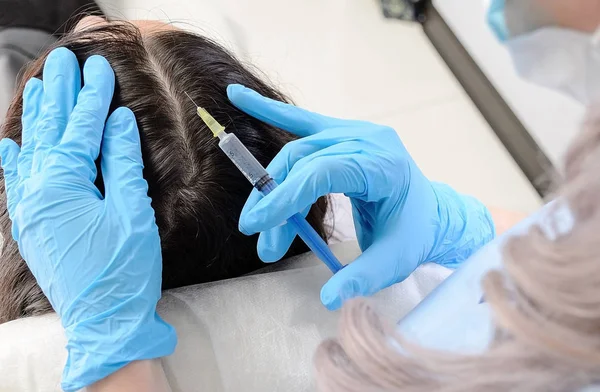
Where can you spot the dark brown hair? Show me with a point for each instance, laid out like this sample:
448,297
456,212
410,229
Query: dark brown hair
196,191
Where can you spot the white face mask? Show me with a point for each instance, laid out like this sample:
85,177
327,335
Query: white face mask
561,59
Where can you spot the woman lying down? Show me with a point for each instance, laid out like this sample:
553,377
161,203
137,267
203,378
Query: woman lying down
545,304
196,191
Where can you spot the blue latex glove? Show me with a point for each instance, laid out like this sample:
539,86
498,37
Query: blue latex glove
496,20
97,259
401,218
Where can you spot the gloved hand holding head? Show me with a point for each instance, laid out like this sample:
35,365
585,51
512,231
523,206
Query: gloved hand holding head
97,257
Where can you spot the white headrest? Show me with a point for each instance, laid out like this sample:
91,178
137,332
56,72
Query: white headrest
254,333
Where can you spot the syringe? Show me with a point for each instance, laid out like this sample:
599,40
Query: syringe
262,181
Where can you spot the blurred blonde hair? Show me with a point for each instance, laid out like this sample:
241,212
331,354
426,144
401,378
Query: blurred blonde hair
546,307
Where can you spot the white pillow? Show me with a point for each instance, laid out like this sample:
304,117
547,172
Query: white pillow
254,333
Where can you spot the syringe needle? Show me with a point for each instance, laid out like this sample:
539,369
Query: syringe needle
258,176
188,95
212,124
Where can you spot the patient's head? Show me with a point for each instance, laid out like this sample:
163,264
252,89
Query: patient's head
196,191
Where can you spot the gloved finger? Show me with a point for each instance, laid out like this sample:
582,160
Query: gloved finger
381,265
282,115
273,244
346,141
255,197
121,162
332,170
62,82
9,154
82,138
32,104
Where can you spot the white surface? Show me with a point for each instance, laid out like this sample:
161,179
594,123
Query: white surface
551,118
255,333
452,143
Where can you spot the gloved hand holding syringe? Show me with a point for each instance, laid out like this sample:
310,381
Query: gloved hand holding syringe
262,181
401,218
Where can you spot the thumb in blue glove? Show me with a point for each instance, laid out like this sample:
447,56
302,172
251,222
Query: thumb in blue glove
401,218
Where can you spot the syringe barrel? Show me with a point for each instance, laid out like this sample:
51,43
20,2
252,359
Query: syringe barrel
305,231
242,158
260,179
